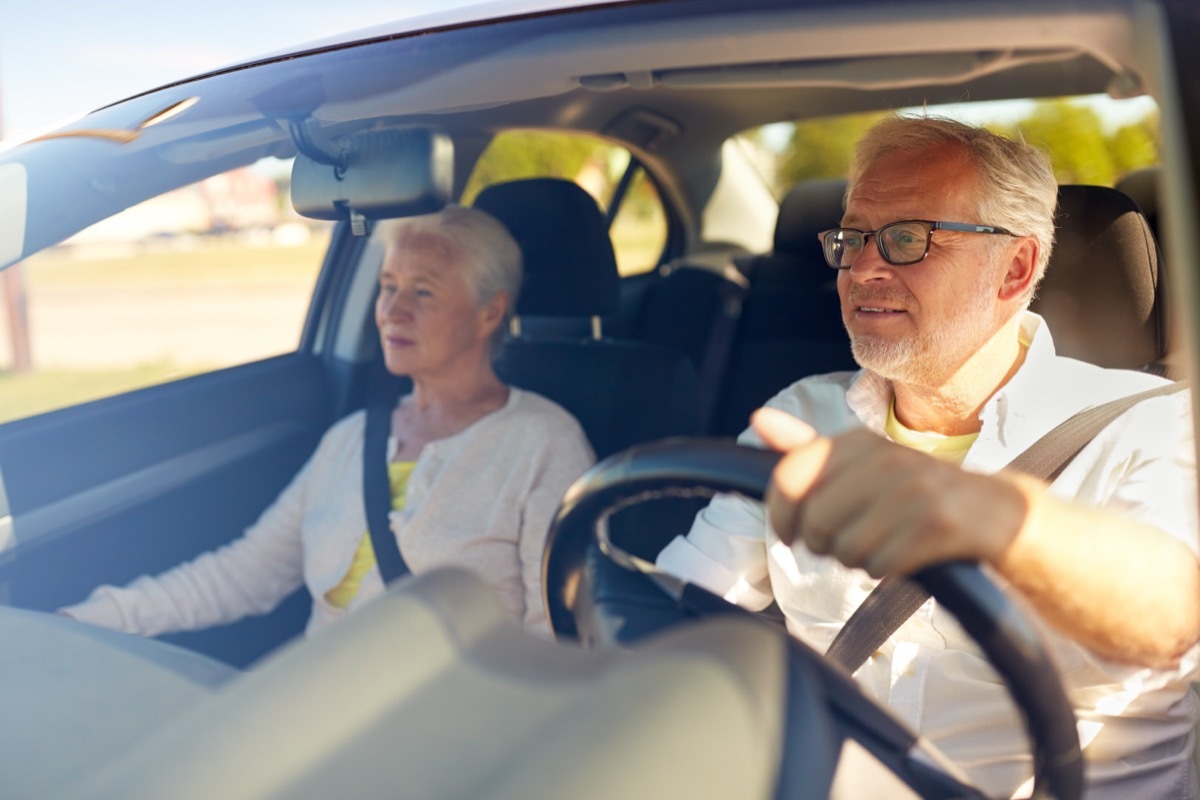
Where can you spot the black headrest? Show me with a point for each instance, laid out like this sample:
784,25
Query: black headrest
570,268
1100,296
809,208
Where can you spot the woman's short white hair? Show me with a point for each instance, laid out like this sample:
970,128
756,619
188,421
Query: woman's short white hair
1017,188
477,241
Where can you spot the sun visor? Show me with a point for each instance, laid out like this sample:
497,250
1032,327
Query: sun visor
373,175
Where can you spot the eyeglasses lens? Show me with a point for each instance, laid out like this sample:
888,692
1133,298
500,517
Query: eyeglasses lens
903,242
842,247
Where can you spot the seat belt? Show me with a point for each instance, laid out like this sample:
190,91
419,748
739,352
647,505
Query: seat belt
377,493
721,335
896,598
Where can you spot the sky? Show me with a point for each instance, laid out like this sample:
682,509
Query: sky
63,58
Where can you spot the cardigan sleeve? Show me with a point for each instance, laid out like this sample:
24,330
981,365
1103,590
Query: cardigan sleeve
564,456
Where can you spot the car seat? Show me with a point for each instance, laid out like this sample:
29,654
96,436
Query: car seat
622,392
791,321
1142,186
754,324
694,308
1102,296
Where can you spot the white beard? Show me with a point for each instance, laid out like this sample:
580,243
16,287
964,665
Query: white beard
930,357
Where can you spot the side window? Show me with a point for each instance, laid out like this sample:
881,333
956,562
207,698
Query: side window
639,224
208,276
639,228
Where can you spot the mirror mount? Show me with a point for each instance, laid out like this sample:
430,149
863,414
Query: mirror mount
304,135
371,175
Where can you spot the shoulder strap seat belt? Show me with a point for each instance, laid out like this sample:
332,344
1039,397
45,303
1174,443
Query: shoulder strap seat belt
377,493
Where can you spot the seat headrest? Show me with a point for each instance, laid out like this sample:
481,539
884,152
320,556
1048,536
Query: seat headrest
1100,296
570,268
1142,186
809,208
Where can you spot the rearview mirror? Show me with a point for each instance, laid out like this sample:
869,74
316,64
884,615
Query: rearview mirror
373,175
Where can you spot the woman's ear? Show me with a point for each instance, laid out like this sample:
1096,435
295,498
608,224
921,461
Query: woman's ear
493,312
1022,258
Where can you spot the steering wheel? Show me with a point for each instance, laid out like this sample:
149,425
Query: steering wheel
687,466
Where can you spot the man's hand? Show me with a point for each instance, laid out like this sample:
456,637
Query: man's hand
877,505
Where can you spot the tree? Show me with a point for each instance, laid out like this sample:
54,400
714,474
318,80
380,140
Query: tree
1073,134
528,154
1135,145
822,148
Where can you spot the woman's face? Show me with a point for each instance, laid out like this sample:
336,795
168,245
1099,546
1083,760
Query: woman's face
431,324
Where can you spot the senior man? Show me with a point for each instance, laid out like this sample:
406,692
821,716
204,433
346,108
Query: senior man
946,233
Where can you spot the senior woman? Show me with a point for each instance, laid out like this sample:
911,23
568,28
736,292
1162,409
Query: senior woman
477,467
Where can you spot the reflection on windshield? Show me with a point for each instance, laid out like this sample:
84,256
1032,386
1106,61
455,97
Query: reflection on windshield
13,205
117,135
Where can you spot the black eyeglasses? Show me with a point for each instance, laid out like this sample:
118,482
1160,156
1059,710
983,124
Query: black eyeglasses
900,243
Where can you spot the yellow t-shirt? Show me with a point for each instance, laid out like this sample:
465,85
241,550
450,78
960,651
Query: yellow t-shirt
948,448
364,557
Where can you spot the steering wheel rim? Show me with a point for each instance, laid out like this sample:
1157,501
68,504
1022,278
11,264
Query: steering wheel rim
1010,643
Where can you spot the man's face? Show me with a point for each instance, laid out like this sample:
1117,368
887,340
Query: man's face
918,324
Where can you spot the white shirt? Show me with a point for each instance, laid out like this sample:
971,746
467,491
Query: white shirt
481,499
1136,725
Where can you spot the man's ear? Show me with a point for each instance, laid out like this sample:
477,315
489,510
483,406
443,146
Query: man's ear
1022,258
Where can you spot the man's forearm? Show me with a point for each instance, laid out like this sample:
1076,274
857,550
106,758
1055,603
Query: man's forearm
1124,589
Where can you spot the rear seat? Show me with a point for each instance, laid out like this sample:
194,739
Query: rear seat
791,322
759,323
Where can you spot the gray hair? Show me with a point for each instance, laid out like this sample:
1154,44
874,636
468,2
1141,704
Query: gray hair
1017,187
490,257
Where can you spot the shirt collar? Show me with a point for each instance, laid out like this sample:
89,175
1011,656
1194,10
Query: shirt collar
869,397
1013,418
1010,418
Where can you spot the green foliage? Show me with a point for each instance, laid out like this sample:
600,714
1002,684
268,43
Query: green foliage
538,154
1073,136
1081,149
822,148
1136,145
